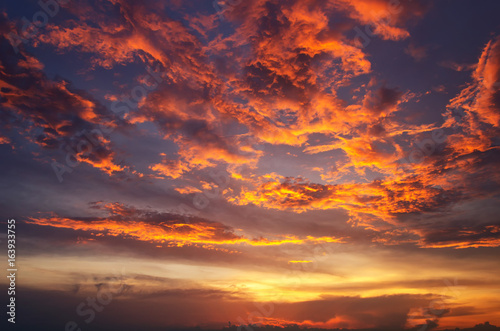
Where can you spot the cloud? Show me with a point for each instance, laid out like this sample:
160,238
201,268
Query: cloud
166,229
384,18
53,114
416,52
287,60
382,100
315,133
209,306
374,204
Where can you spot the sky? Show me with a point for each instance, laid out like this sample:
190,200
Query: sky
329,164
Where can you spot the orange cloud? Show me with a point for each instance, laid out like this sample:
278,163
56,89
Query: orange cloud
385,18
128,222
479,100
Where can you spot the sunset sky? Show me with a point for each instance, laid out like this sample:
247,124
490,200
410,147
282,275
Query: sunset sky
330,164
